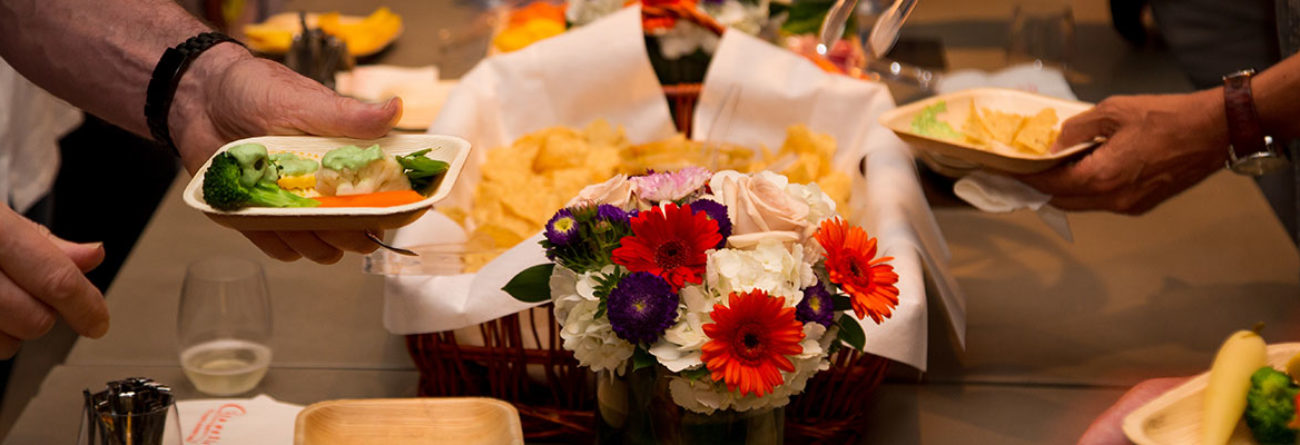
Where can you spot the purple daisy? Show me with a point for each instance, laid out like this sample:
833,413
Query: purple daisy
641,307
816,306
606,212
716,212
562,228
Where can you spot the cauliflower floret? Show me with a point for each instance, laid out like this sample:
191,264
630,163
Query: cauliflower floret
379,173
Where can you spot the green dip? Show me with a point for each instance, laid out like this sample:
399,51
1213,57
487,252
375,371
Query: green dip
351,157
292,165
927,123
253,161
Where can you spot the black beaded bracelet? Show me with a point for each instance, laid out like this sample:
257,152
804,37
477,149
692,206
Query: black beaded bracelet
167,77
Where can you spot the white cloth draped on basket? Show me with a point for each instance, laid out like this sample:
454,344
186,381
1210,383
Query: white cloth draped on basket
601,71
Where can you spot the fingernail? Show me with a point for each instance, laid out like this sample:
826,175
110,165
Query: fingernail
94,246
99,330
396,101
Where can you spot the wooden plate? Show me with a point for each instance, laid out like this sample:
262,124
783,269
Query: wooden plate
452,150
1175,417
955,158
461,421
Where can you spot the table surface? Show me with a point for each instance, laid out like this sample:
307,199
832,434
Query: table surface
1056,330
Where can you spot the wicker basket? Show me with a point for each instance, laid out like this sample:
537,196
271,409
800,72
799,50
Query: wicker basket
559,406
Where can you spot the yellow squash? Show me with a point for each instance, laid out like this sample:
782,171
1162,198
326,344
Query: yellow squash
1225,395
1293,368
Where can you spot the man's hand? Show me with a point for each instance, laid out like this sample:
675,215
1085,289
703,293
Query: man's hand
1156,147
42,278
227,94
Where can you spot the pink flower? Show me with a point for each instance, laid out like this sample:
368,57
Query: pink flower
670,186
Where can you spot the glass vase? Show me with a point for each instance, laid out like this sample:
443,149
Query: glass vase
635,408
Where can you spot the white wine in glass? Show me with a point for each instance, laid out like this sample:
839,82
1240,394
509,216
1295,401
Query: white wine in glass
224,326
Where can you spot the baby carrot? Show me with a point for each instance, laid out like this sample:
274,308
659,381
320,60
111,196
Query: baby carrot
376,199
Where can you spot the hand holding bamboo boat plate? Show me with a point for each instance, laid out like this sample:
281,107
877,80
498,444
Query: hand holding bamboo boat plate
461,421
451,150
957,152
1175,417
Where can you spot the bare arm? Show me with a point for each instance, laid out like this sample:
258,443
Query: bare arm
1277,97
1160,145
99,55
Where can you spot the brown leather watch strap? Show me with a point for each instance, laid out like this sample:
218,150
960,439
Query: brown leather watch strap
1245,132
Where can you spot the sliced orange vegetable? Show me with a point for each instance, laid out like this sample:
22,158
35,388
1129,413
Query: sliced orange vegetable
537,10
377,199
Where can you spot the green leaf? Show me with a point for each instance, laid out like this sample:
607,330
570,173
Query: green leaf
699,373
420,170
642,359
532,285
806,17
600,310
851,333
841,302
606,283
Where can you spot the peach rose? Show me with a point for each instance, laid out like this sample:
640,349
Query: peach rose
617,191
759,206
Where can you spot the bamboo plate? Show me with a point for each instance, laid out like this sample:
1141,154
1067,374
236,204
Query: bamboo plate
452,150
461,421
956,157
1175,417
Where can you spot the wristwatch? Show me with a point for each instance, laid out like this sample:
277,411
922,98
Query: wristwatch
1251,151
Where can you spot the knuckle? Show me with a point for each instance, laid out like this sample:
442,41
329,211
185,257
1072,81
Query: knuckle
328,257
35,324
62,284
1129,204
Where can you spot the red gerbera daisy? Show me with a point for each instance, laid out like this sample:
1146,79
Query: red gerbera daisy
850,264
669,242
751,338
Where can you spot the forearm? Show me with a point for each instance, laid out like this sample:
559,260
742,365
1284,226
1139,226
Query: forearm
100,55
1277,97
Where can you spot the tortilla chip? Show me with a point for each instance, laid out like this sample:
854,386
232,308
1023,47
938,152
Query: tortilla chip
1038,133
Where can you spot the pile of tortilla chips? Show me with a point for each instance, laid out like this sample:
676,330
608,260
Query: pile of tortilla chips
523,185
1029,134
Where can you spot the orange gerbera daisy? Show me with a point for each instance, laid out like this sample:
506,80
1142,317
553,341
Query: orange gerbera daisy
851,264
750,339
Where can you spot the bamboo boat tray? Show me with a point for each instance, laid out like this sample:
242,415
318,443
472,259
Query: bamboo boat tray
1175,417
462,421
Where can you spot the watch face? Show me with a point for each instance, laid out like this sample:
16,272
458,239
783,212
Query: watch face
1261,164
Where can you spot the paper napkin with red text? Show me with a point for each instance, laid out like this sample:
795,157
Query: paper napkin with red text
259,420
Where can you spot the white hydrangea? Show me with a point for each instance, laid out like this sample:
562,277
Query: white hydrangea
684,38
771,266
591,339
679,348
820,208
746,17
582,12
820,205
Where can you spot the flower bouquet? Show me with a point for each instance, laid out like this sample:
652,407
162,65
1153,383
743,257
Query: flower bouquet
711,297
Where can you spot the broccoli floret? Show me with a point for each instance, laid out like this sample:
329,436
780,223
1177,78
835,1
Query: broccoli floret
1270,406
223,191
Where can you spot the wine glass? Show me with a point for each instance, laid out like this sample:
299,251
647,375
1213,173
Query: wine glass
1041,33
224,325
